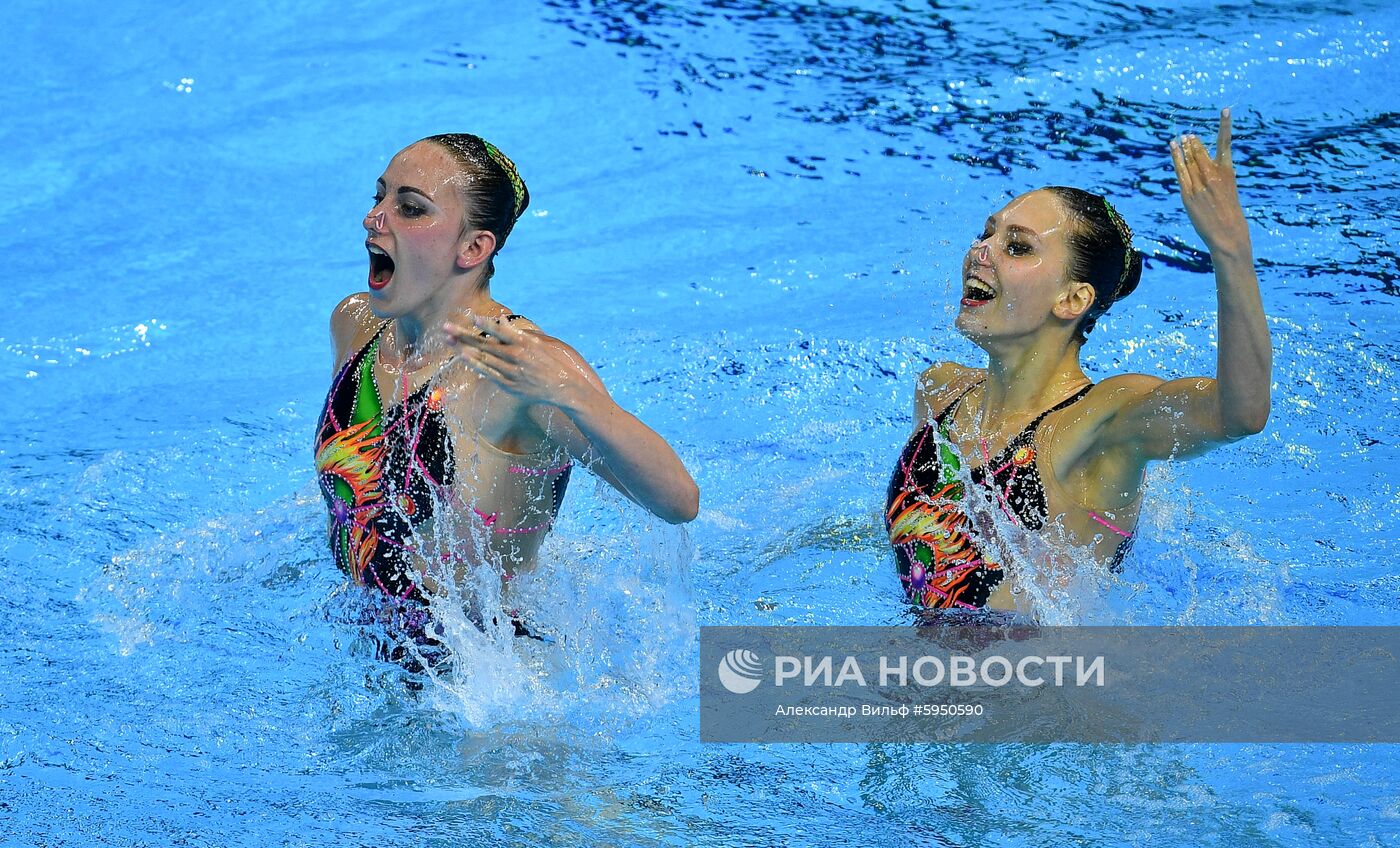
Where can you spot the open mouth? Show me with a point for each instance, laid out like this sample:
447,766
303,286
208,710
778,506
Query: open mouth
381,268
976,293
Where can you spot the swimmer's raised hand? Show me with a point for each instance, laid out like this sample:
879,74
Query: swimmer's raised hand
527,364
1209,193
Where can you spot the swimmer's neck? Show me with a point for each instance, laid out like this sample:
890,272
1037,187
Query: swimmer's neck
460,297
1027,380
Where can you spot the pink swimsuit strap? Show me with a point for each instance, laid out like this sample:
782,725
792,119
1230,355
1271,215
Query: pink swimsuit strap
1120,532
489,519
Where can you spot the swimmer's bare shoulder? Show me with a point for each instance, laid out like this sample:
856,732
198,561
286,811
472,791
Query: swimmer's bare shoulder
1085,433
938,385
504,420
1080,450
537,422
352,323
520,322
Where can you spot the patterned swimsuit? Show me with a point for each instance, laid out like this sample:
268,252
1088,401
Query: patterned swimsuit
380,471
939,563
384,470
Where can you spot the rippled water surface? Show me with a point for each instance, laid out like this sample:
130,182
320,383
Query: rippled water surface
749,217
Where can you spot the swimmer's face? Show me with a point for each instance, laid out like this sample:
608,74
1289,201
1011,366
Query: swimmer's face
415,232
1015,274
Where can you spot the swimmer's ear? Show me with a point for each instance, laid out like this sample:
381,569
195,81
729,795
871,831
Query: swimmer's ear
476,247
1074,301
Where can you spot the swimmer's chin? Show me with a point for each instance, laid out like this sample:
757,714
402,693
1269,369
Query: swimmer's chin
967,325
379,308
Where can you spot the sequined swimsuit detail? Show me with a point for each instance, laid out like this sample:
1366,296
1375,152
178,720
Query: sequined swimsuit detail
939,563
383,471
379,470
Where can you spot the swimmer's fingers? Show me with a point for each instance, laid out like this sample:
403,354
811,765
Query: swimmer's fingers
1207,168
483,353
1201,171
1222,141
481,364
471,340
498,329
526,366
1183,174
503,359
464,336
498,361
483,333
1210,196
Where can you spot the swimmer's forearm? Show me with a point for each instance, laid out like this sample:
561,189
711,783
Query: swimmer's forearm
1244,359
642,462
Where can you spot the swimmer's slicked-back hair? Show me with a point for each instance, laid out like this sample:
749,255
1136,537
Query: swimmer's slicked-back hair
1101,252
496,196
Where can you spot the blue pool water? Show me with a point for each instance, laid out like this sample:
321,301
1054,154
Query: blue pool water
748,216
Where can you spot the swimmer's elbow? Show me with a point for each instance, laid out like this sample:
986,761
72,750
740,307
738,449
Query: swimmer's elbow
1250,423
1257,425
686,507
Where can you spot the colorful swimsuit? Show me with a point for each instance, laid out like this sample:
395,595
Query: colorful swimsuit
939,563
379,471
383,472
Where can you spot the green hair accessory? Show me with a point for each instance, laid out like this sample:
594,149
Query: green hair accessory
1125,233
517,186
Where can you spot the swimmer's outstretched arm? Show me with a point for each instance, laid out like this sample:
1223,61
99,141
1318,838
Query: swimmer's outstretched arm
568,401
1162,419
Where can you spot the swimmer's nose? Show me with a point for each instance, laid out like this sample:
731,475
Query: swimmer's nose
374,222
981,254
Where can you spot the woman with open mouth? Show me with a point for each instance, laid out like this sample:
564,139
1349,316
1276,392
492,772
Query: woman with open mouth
1028,447
452,424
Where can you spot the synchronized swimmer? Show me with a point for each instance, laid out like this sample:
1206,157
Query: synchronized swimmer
1049,452
452,424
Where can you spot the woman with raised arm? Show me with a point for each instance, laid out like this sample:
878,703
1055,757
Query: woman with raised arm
452,423
1051,453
